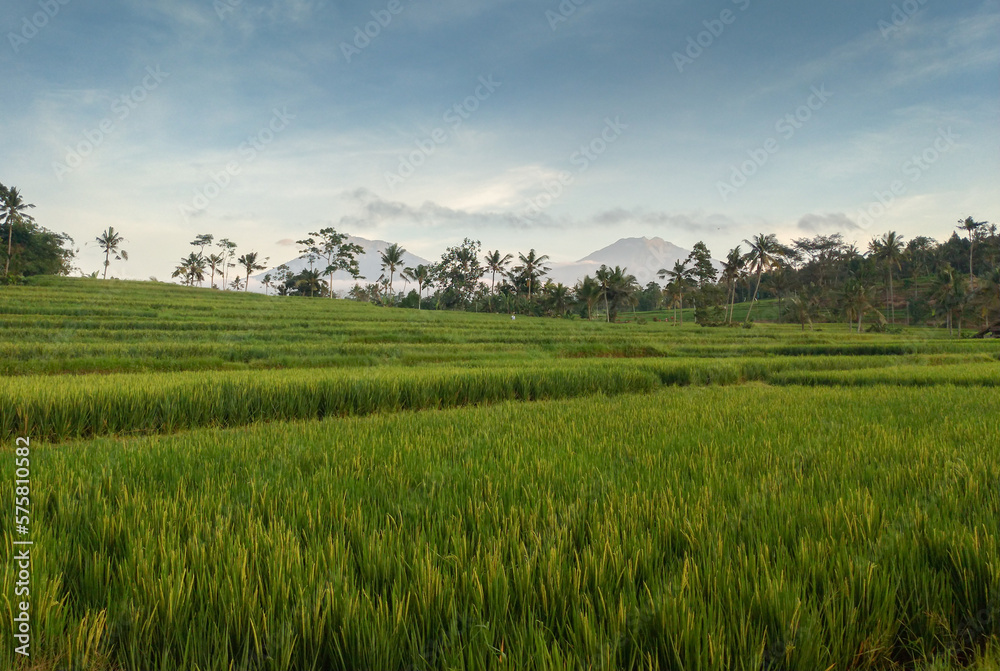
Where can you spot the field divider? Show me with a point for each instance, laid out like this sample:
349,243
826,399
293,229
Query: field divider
60,408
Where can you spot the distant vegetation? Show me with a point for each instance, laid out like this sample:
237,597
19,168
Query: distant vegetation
27,248
821,279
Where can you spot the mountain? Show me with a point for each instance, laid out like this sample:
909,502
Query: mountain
641,256
370,264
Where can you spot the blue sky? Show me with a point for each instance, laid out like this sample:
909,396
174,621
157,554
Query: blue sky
555,126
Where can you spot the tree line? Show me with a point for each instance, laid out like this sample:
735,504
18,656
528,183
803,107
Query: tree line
823,278
27,247
893,281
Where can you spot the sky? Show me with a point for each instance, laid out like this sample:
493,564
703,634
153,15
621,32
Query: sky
559,126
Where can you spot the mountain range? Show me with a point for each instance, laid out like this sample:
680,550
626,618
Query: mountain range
643,257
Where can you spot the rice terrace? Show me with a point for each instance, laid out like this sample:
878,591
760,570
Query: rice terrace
229,480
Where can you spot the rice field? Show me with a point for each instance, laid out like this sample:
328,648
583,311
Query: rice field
225,481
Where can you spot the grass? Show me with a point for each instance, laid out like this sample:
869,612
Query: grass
226,481
712,526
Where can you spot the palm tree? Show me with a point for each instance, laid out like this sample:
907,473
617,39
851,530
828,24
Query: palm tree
802,310
617,286
532,266
680,277
392,258
888,249
971,226
672,290
267,282
731,270
309,279
856,300
191,268
110,242
236,284
201,241
588,291
951,296
497,264
603,276
12,207
765,253
215,262
559,298
423,276
249,261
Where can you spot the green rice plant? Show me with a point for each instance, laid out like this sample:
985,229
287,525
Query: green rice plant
716,527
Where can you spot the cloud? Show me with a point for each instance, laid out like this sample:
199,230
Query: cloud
285,242
620,217
825,223
374,211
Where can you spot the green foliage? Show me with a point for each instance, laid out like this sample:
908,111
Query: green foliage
784,528
571,494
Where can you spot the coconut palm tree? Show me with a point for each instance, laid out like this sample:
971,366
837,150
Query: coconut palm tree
250,263
201,241
731,270
588,291
424,277
971,226
672,290
497,264
215,262
889,250
392,258
12,212
856,300
532,267
309,280
110,242
191,268
802,310
765,253
559,297
951,296
603,277
680,277
617,287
